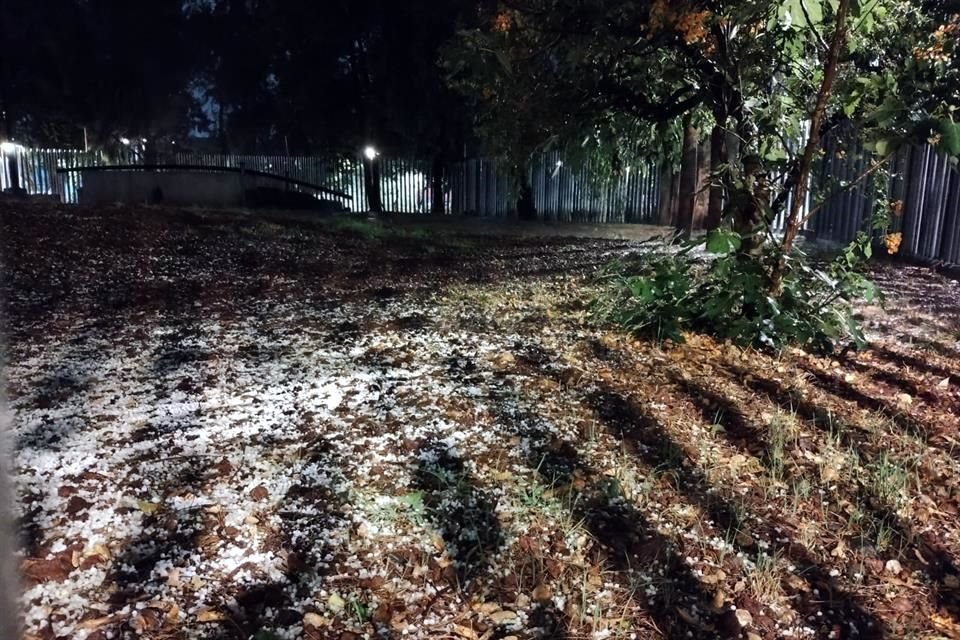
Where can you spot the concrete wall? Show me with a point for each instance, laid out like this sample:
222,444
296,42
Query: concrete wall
172,187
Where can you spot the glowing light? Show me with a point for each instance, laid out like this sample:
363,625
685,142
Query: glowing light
144,140
370,153
125,142
8,147
559,163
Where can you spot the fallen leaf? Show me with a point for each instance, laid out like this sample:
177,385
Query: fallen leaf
210,615
95,623
335,603
503,617
542,593
148,507
465,632
902,605
315,620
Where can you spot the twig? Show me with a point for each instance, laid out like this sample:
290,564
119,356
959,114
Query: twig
806,14
861,178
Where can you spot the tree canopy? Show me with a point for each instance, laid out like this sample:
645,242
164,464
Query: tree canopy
258,76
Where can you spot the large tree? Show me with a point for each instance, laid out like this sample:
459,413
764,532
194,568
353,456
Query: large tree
768,79
594,76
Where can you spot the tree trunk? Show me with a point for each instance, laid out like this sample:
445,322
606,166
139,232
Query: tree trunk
437,206
702,196
668,201
371,183
526,207
718,158
688,179
813,142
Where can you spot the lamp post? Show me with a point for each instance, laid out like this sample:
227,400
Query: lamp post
372,181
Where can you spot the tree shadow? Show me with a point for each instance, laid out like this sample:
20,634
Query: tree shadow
645,438
837,386
904,384
463,513
630,543
906,360
736,427
937,562
650,441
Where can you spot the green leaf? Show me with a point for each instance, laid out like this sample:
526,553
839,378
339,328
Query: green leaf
869,291
723,241
949,137
414,500
851,104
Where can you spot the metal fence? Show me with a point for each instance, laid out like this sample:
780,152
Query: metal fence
560,193
925,189
925,182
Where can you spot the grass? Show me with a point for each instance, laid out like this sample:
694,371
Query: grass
377,231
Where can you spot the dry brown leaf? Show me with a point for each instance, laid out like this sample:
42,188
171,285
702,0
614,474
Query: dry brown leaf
465,632
210,615
542,593
503,617
95,623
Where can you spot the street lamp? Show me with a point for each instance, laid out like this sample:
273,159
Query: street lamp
371,180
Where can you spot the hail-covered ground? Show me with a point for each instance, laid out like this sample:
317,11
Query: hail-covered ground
236,428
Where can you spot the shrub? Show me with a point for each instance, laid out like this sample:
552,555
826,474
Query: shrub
728,294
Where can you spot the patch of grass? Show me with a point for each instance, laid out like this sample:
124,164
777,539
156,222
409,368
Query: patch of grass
888,480
375,231
763,577
359,610
352,225
781,433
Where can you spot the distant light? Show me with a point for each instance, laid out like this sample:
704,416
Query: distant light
173,142
370,153
125,141
144,140
559,163
8,147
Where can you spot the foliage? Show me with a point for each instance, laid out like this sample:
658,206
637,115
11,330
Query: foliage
663,295
582,75
606,78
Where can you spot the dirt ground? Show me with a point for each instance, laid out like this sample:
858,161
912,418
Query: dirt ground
236,428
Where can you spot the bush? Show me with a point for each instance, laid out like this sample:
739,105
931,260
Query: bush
727,294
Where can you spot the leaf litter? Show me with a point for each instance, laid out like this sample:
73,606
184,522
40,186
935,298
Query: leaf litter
235,429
